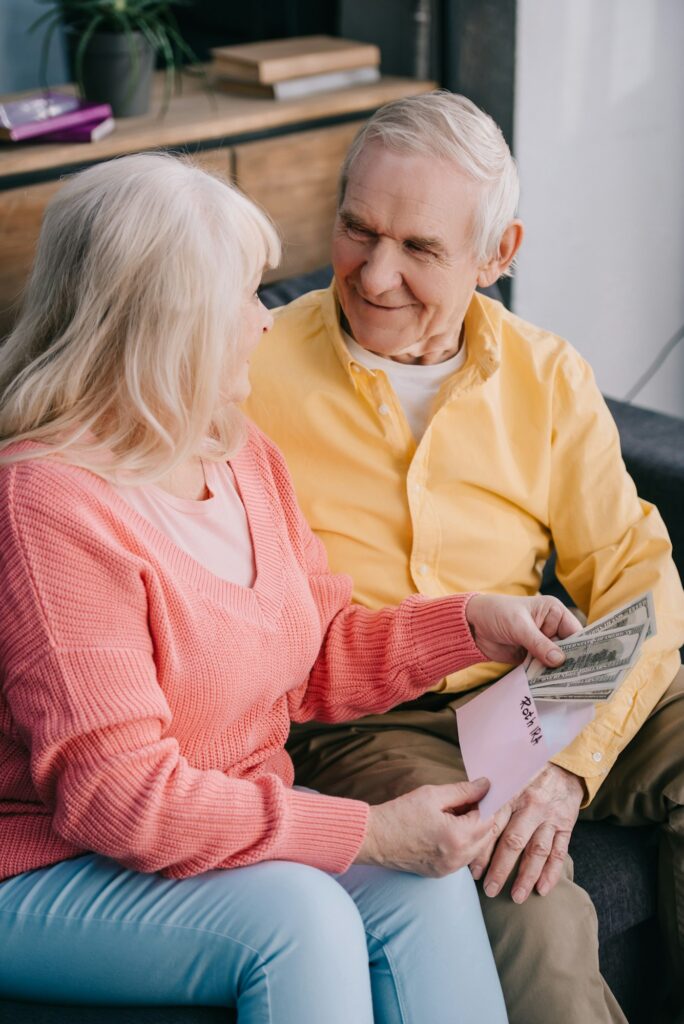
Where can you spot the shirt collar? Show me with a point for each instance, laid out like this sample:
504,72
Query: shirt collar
332,313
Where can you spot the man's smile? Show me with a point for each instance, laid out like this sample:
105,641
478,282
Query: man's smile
381,306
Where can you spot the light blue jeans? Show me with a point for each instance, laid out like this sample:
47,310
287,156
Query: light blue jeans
284,943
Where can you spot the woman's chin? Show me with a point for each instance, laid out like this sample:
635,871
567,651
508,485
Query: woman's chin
236,393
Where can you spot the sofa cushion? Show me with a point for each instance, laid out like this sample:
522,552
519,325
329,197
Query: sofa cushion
653,449
282,292
617,867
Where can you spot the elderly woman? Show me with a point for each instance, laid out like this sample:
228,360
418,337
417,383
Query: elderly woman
165,614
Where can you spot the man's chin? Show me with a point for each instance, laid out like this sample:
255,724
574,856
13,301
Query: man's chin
384,341
381,345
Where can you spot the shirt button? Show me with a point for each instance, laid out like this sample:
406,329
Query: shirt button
383,409
597,756
423,569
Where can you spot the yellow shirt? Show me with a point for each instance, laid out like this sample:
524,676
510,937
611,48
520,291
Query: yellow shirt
521,454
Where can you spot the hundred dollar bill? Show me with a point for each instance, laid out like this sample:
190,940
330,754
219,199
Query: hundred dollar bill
588,654
597,658
633,614
599,686
596,680
591,696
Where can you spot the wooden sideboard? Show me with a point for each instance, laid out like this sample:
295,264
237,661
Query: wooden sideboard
285,155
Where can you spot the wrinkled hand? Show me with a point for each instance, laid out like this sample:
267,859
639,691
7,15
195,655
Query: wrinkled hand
430,831
537,824
504,628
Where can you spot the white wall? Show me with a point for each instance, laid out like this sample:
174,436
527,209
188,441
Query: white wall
599,138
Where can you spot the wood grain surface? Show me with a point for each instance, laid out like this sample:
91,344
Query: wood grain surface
199,116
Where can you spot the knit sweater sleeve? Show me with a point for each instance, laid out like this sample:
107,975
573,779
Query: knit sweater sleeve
97,727
369,661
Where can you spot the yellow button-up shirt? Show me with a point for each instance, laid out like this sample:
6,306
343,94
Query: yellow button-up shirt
520,454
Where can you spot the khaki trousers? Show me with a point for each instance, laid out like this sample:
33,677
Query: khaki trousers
546,949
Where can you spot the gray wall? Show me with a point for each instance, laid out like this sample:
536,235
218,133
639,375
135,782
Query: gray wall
20,49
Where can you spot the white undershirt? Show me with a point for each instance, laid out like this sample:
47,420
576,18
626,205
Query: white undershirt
414,384
214,531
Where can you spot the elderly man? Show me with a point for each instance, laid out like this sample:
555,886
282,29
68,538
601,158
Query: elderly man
439,444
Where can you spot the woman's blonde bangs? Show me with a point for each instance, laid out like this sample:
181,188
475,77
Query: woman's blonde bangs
130,318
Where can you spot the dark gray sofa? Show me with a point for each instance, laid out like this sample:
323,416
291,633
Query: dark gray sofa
617,866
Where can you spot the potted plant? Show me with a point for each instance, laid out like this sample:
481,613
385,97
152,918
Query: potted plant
114,45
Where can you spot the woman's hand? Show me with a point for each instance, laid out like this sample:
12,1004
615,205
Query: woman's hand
431,831
504,628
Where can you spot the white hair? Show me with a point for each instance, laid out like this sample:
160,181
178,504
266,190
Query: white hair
126,335
446,126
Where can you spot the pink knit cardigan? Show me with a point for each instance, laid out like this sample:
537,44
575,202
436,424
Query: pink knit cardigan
145,702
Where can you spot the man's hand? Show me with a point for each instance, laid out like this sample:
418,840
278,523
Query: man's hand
537,824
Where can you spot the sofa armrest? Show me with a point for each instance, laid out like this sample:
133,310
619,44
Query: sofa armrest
653,450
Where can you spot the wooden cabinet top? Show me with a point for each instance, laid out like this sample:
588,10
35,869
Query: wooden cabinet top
197,115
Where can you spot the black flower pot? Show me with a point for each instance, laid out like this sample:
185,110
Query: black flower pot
117,69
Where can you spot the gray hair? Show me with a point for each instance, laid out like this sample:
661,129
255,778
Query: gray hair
132,315
446,126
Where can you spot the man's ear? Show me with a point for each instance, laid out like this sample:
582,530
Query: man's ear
511,240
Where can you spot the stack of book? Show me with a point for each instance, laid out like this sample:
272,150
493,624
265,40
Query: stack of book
287,69
55,117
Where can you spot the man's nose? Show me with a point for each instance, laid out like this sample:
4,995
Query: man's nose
380,272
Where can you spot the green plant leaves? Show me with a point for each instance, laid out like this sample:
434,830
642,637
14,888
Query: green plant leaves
154,19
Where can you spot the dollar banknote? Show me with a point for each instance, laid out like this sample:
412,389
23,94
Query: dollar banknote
597,681
589,654
633,614
598,687
591,696
598,658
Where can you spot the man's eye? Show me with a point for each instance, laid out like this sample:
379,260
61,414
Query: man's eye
421,251
357,231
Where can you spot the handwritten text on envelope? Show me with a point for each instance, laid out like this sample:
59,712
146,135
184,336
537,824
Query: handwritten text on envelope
508,738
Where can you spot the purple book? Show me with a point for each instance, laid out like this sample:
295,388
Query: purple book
90,132
39,115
